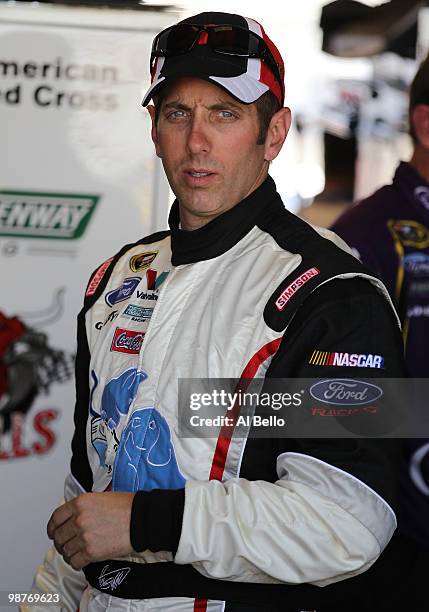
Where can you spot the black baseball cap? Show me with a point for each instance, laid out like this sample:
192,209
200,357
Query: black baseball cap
214,47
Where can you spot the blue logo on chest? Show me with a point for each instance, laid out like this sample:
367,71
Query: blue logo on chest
123,292
145,458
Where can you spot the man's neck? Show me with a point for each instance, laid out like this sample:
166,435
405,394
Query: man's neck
420,162
190,221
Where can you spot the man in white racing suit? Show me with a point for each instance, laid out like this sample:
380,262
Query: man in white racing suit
237,288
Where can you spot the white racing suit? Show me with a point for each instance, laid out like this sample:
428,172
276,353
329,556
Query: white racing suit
224,523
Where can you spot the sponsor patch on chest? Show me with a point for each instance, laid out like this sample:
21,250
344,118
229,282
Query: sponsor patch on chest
349,360
141,261
127,341
137,313
123,292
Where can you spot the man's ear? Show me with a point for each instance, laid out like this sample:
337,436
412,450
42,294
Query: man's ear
420,121
154,130
277,132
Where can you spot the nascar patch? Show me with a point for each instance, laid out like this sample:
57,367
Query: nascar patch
142,260
127,341
349,360
295,285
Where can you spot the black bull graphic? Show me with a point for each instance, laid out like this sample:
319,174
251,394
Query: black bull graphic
28,365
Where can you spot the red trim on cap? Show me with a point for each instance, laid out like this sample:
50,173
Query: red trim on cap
153,70
272,83
225,434
204,36
268,79
200,605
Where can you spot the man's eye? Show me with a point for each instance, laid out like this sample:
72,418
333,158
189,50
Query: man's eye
177,114
225,114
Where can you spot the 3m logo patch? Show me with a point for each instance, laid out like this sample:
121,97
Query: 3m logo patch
142,260
349,360
295,285
98,275
127,341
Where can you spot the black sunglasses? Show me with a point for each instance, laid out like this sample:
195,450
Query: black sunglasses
223,39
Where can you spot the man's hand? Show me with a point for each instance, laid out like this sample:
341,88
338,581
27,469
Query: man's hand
92,527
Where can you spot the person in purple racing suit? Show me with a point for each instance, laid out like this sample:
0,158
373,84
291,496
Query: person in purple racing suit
390,232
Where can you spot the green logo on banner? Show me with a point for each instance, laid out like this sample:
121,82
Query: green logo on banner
30,214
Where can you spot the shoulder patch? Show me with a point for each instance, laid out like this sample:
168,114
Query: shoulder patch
295,286
97,277
349,360
321,261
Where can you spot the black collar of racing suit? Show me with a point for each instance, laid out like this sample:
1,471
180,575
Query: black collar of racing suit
224,231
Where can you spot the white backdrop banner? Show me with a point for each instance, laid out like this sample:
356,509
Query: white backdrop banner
78,179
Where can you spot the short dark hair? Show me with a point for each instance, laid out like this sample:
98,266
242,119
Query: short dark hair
266,106
157,102
419,92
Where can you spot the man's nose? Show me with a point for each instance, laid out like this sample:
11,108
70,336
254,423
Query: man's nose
198,136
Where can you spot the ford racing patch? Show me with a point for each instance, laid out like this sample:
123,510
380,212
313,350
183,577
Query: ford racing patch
123,292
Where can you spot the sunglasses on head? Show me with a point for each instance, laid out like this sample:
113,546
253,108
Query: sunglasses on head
222,39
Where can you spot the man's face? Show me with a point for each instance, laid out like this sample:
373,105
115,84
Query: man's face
207,142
